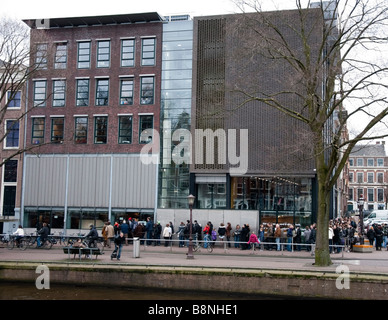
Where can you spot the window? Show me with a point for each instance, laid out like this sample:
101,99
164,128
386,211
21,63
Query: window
380,162
360,193
100,129
360,177
125,129
81,130
370,195
103,54
59,89
350,194
41,56
380,177
14,99
82,98
370,177
38,130
83,61
146,126
351,176
40,93
126,91
351,162
370,162
9,200
12,136
102,92
380,195
10,171
147,90
127,52
148,52
60,59
360,162
57,129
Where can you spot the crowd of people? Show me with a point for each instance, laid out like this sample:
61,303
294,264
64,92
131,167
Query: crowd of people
269,236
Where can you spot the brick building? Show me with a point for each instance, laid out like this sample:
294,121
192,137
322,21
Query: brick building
94,105
368,176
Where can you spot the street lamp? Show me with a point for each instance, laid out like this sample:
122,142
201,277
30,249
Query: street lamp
360,204
191,199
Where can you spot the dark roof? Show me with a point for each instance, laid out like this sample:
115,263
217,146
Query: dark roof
368,150
96,20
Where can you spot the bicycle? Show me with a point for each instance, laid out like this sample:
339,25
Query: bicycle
97,243
21,243
197,247
47,244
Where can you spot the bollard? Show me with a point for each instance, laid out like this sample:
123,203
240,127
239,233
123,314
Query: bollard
136,248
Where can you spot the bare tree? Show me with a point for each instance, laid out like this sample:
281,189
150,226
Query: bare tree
16,68
340,75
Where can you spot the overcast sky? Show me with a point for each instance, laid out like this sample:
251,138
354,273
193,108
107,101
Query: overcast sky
31,9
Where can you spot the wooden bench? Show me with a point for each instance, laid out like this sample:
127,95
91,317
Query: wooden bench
82,251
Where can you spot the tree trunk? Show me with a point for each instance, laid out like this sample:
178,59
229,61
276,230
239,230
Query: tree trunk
322,254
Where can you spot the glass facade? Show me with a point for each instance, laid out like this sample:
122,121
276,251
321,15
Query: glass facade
174,179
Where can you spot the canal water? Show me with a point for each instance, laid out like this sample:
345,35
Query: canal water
28,291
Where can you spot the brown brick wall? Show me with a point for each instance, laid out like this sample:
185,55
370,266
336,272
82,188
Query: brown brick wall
94,33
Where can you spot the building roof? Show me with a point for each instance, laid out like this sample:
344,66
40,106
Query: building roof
369,150
94,20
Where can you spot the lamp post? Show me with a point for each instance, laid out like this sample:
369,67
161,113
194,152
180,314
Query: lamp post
190,255
360,204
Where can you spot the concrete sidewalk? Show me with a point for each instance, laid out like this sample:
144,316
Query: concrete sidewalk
375,263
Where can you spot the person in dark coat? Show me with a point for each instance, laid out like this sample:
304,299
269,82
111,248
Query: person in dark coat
370,234
244,237
379,237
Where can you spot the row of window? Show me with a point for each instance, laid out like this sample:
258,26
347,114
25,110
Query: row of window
359,162
100,131
82,94
103,54
371,195
370,177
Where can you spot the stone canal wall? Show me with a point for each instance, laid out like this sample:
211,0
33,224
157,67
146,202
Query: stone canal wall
267,282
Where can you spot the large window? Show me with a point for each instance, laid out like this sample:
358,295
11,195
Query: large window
81,130
360,177
82,96
40,87
146,126
59,89
125,129
60,59
147,90
102,92
38,130
127,52
126,91
148,52
57,129
41,56
370,177
83,60
10,171
103,54
14,99
101,129
12,136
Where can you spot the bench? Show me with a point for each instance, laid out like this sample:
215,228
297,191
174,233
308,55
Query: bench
82,251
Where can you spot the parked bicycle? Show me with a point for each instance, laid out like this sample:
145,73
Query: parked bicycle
197,247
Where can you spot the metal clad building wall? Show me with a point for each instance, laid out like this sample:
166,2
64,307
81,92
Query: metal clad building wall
89,181
45,181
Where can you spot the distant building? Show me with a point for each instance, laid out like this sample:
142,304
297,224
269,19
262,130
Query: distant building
368,167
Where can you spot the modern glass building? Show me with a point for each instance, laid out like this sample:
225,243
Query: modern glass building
177,53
